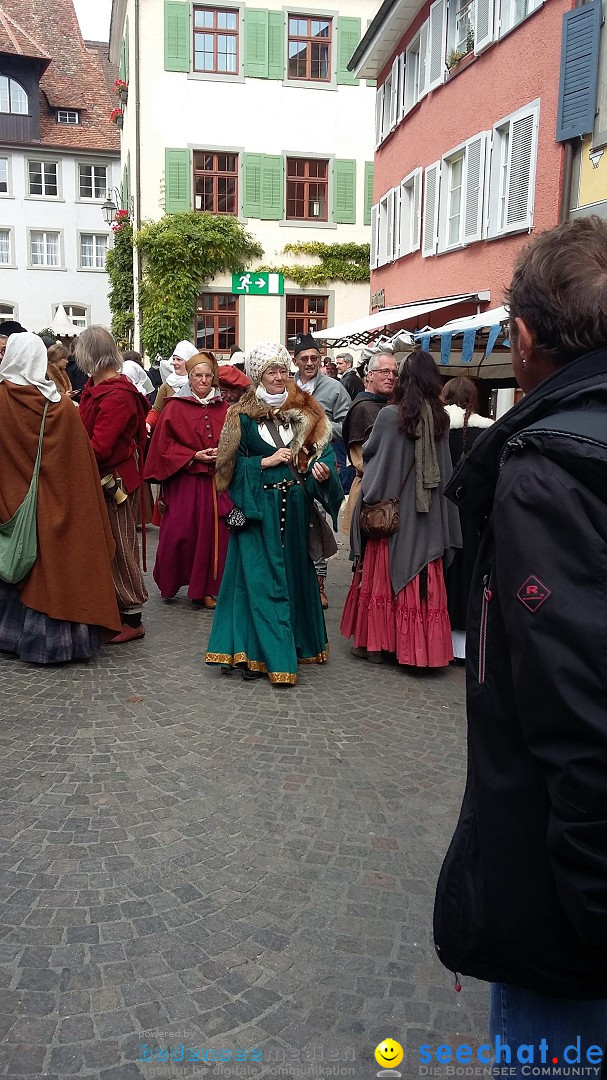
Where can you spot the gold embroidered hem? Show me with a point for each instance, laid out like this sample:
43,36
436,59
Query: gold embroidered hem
252,665
320,658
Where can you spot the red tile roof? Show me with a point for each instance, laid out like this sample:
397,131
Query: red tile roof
76,78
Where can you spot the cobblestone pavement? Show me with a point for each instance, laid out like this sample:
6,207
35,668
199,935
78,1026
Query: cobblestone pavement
189,858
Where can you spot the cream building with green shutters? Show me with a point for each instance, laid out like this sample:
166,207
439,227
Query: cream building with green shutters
252,111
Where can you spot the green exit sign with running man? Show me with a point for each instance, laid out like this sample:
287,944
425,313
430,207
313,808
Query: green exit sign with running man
258,284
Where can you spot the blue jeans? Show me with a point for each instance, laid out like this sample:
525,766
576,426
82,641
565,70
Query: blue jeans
346,472
543,1028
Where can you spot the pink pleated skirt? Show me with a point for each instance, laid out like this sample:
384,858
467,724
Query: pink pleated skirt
417,631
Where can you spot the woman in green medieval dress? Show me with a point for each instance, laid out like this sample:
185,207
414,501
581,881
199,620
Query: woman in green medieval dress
269,616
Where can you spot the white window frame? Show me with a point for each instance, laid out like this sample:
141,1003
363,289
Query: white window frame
472,198
409,238
387,227
43,161
499,187
470,6
8,194
416,72
379,115
17,112
508,20
11,312
11,264
96,236
69,306
45,266
92,165
64,116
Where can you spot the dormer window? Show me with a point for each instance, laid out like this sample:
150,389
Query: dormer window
13,98
68,116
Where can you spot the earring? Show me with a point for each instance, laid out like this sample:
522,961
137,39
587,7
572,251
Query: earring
524,360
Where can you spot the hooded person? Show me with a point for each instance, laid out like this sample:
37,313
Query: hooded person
269,616
174,376
138,376
193,537
54,614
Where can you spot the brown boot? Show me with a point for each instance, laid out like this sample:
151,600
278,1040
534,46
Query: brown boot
323,597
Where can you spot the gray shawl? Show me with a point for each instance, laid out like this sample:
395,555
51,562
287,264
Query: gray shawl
422,537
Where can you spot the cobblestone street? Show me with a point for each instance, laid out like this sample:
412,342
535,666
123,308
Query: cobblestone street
190,858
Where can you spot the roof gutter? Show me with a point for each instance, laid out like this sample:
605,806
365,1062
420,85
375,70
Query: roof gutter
374,27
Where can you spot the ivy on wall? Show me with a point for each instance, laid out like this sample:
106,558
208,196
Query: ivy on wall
337,262
119,265
181,253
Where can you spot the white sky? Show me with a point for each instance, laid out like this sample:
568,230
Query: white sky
94,18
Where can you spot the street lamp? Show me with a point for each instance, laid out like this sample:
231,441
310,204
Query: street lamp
112,204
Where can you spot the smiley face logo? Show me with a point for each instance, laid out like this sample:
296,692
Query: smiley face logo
388,1054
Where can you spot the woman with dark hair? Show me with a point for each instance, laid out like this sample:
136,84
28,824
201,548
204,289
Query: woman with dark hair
465,425
113,413
397,603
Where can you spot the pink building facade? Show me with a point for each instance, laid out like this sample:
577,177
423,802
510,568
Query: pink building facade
466,161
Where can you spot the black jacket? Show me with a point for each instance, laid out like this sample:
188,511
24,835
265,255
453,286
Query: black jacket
352,383
522,895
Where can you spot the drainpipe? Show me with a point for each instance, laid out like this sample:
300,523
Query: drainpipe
567,183
137,222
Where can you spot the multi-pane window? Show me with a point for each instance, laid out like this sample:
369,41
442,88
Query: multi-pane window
307,189
309,48
216,182
13,98
92,181
76,313
3,176
45,248
5,247
217,321
43,178
68,116
216,40
463,30
93,250
305,315
455,187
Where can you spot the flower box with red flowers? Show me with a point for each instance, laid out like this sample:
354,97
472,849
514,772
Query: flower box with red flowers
122,89
117,117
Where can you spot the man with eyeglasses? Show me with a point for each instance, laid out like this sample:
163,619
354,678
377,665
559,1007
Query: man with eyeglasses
335,401
382,374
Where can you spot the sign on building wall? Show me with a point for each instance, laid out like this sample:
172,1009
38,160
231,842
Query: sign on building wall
258,284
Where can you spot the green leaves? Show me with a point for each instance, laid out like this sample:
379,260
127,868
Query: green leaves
337,262
181,253
119,265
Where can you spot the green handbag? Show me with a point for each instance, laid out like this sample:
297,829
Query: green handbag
19,536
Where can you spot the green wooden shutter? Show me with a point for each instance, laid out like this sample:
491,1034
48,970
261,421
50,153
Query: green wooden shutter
251,178
369,167
276,45
178,181
176,36
122,64
344,192
256,43
348,37
272,188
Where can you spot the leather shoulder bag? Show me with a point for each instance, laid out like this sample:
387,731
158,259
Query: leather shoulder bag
382,518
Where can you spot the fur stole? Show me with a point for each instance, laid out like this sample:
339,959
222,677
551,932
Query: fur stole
456,418
311,430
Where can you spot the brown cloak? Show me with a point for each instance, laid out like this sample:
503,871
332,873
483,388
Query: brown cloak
71,579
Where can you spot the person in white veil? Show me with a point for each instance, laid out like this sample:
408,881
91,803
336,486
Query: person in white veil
175,376
137,375
54,614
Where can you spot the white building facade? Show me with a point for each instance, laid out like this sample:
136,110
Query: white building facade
251,111
53,238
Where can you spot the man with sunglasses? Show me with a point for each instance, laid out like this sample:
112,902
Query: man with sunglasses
335,401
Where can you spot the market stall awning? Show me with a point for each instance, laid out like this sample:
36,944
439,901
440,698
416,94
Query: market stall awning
477,345
366,331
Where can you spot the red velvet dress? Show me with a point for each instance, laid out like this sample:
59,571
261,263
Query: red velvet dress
193,540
